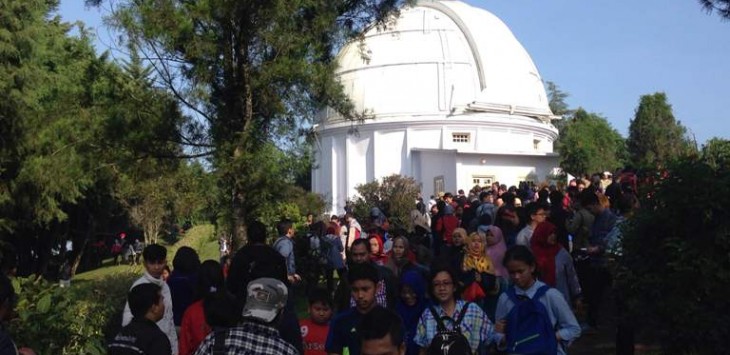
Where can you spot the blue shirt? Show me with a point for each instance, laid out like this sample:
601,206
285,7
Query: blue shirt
285,247
343,333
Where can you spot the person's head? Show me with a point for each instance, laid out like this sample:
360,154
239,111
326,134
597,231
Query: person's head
448,197
155,259
210,279
520,264
376,245
556,198
590,201
442,284
335,219
458,237
363,280
310,217
580,184
7,298
348,217
320,306
400,247
285,228
165,272
360,251
545,234
626,204
412,288
266,298
318,228
146,301
381,333
256,232
186,260
477,243
537,212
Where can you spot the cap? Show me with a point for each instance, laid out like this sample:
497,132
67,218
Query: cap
266,297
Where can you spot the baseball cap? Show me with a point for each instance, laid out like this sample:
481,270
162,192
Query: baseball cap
266,297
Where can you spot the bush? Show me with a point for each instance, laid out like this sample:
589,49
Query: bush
395,195
675,270
75,320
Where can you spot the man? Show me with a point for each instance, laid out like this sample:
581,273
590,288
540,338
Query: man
343,333
256,260
257,333
142,335
381,333
385,290
285,246
487,204
538,214
155,259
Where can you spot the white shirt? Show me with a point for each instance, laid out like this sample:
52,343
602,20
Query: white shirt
167,323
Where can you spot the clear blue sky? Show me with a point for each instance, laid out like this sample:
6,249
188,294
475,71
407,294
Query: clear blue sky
605,54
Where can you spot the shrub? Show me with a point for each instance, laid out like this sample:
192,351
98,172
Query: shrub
395,195
675,270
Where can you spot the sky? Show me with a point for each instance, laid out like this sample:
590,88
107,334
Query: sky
604,53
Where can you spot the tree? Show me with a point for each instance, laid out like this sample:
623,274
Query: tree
722,7
395,195
717,152
588,144
557,104
655,136
255,71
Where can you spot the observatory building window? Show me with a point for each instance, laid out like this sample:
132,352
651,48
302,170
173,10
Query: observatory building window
460,137
536,144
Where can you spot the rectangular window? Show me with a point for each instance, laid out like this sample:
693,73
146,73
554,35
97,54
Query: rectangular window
536,144
438,185
460,137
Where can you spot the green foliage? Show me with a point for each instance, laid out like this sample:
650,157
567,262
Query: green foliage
717,152
588,144
53,320
655,137
675,270
395,195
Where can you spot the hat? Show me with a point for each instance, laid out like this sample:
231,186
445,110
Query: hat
266,297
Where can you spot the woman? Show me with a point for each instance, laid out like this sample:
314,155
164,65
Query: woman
521,265
377,250
453,254
410,306
194,326
182,281
477,272
553,262
475,326
401,258
496,248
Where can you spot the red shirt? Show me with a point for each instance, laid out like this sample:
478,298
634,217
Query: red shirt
314,337
445,226
193,329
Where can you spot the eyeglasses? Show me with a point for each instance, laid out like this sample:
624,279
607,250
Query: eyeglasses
442,284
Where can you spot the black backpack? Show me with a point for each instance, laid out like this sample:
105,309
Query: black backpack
449,342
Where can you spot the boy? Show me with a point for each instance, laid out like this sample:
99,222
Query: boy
381,333
343,336
142,335
155,259
315,329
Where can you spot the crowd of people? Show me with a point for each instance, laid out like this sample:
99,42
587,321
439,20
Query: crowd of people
498,270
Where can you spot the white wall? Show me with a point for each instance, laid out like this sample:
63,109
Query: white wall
507,169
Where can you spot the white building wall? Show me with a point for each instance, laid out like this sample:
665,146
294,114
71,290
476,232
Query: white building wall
506,169
435,164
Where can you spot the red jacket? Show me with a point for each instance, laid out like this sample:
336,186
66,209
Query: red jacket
445,227
193,329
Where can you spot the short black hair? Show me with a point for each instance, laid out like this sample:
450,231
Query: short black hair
154,252
439,268
142,297
210,279
588,198
320,295
283,226
366,271
380,322
256,232
519,253
186,260
363,241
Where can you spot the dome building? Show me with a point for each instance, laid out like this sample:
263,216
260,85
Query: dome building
455,101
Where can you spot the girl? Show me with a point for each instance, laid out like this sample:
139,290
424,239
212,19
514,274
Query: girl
377,250
410,306
521,265
477,271
553,262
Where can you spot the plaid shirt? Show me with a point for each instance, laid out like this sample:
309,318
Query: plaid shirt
249,338
476,326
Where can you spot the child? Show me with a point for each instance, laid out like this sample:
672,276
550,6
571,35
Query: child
521,265
315,329
141,335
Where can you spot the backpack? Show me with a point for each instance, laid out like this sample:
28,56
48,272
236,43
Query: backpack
529,329
449,342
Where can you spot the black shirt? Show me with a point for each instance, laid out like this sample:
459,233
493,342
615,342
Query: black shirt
140,336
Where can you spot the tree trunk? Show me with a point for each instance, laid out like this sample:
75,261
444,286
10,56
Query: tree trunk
91,227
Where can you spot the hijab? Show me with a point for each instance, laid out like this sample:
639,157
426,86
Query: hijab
378,257
496,251
544,252
477,259
411,314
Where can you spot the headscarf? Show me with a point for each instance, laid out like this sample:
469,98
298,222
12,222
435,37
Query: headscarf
378,257
477,259
544,252
496,251
410,314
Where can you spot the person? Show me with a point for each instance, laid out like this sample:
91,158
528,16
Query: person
401,258
354,231
194,327
256,333
521,265
182,280
285,246
315,328
381,333
411,304
508,220
155,259
142,335
579,224
487,204
445,227
476,273
538,214
377,250
7,301
116,250
475,326
554,263
335,257
454,253
255,260
419,217
343,336
496,248
385,289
